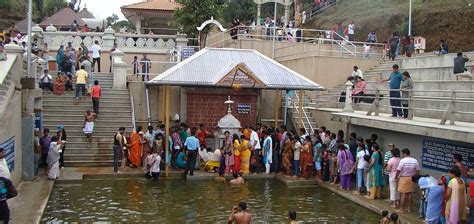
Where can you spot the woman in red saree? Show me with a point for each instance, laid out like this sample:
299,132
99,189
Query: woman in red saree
59,84
306,158
201,134
135,148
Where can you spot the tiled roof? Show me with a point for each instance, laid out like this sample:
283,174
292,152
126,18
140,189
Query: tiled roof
84,13
62,18
210,66
160,5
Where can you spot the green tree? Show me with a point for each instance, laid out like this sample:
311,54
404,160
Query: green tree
244,10
123,24
111,20
193,13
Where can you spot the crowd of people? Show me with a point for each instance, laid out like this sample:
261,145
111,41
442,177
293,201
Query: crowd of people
323,156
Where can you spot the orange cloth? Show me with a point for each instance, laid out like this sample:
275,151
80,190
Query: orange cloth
135,149
247,133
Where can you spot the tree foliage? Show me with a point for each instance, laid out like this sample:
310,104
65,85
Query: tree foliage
244,10
123,24
194,12
111,20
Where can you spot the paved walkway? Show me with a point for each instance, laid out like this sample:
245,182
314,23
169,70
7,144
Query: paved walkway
31,201
375,205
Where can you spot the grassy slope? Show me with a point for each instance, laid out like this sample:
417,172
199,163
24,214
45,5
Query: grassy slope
434,19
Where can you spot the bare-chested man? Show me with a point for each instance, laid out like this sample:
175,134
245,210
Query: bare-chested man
240,217
88,126
119,148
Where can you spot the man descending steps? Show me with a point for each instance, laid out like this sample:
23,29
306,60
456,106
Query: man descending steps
88,127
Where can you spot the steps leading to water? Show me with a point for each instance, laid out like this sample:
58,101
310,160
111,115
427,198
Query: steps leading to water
114,112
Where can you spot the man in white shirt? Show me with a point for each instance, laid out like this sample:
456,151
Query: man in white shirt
255,148
357,72
4,171
350,30
96,51
154,161
46,81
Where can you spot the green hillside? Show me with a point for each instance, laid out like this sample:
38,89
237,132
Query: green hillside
450,20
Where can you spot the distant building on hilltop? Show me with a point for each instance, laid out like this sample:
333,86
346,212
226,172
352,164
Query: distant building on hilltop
151,15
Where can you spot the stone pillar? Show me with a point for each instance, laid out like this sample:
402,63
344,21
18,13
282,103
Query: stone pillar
287,15
119,70
138,23
348,103
18,66
181,40
37,33
51,28
108,39
259,8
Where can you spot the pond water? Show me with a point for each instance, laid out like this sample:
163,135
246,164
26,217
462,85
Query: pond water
180,201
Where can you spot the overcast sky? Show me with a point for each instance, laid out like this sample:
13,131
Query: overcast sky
104,8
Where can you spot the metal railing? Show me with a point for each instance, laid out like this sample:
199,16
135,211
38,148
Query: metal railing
157,67
452,100
304,116
133,111
345,47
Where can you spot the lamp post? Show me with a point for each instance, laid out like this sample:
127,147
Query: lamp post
28,53
274,30
409,18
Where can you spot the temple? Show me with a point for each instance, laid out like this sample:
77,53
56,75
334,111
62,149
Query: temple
151,15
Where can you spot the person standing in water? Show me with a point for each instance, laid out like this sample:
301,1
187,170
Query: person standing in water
88,127
240,215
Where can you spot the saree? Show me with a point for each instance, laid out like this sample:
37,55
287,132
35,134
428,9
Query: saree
245,157
201,136
135,150
59,85
306,160
456,205
287,157
53,160
236,156
376,176
228,155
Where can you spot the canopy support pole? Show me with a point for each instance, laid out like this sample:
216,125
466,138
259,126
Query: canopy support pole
167,127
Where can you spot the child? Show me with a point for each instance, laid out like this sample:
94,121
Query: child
68,82
394,218
367,160
333,167
292,217
385,51
385,219
326,173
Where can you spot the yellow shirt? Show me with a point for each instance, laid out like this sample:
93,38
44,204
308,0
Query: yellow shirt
81,76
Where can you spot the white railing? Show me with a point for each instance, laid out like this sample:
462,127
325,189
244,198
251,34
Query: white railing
305,119
448,103
127,42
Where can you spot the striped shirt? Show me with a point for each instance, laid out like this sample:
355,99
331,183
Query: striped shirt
388,155
408,167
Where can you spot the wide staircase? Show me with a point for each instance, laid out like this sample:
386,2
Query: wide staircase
433,79
115,111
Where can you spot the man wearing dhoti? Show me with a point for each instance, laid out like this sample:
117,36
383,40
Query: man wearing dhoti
88,127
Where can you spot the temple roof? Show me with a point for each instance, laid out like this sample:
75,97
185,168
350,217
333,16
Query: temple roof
155,5
63,18
221,67
84,13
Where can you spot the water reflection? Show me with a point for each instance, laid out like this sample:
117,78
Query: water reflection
178,201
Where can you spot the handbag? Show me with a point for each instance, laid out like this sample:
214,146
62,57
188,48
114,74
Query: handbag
11,190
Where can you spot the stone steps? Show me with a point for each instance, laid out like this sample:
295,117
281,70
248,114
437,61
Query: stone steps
115,112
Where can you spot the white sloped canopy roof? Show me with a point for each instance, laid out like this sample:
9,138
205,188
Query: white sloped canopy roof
225,67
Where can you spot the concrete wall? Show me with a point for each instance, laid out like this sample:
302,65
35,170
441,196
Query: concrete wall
11,127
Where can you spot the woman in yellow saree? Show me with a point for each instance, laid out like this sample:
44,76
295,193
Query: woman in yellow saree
244,155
